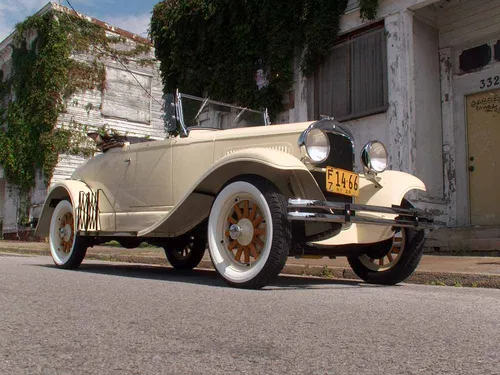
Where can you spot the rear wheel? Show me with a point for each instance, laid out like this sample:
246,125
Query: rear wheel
128,243
187,253
249,235
66,247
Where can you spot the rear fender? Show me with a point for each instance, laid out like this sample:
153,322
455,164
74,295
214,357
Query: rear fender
67,189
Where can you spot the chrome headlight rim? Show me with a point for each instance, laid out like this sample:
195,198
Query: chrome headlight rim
367,156
307,147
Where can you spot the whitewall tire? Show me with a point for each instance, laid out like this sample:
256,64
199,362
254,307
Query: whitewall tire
249,235
391,262
66,248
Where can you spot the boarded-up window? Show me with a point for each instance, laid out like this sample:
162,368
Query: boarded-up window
125,98
352,81
475,58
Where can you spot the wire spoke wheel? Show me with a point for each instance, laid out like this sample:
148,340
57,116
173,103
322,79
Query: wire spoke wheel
388,260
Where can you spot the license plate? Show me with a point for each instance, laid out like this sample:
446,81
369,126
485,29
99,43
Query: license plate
341,181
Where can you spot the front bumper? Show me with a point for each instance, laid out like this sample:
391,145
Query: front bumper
337,212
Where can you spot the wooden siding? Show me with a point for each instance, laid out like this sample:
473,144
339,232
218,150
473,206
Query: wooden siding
124,105
464,21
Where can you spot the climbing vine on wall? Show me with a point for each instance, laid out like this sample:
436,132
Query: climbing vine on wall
43,77
368,9
219,47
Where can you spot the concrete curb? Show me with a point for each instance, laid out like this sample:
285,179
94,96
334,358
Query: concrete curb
419,277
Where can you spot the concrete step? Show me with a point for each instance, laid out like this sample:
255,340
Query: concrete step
473,239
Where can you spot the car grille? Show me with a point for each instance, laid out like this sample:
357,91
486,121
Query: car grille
341,156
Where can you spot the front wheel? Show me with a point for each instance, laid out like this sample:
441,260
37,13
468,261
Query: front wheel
66,247
249,235
389,264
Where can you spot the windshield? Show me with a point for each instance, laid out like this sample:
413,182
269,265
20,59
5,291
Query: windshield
197,112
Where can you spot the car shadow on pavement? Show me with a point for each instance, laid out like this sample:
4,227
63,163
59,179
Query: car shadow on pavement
206,277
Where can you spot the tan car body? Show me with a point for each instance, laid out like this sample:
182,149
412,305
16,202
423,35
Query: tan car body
165,188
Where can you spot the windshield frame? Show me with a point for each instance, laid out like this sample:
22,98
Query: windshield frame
203,102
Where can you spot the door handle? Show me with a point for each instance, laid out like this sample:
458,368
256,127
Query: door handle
471,168
127,160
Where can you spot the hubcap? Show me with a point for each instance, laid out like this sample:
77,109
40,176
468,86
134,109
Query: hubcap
246,232
390,258
234,231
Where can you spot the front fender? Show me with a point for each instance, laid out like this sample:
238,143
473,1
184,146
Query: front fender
66,189
287,172
393,186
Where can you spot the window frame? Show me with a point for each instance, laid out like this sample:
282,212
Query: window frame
347,39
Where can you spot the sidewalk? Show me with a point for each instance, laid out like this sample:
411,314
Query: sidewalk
436,270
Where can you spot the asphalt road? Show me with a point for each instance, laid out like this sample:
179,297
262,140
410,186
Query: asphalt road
110,318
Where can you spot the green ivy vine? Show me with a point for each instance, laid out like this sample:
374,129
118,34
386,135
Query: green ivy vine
215,47
43,77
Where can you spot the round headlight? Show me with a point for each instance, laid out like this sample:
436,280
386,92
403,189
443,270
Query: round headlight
374,156
317,145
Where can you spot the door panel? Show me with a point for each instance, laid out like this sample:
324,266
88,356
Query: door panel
483,130
153,177
125,176
149,189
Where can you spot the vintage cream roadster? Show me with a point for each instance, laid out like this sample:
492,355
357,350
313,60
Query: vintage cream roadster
251,192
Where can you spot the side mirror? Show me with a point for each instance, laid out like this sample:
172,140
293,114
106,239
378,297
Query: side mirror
170,116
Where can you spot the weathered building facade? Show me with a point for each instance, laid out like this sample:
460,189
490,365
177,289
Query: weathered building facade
130,103
424,79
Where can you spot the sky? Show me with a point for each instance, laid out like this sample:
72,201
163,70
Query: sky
130,15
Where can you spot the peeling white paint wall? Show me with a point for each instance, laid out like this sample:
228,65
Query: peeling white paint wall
424,126
429,142
10,208
2,197
462,24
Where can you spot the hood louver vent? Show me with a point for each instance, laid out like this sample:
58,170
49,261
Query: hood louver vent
283,148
